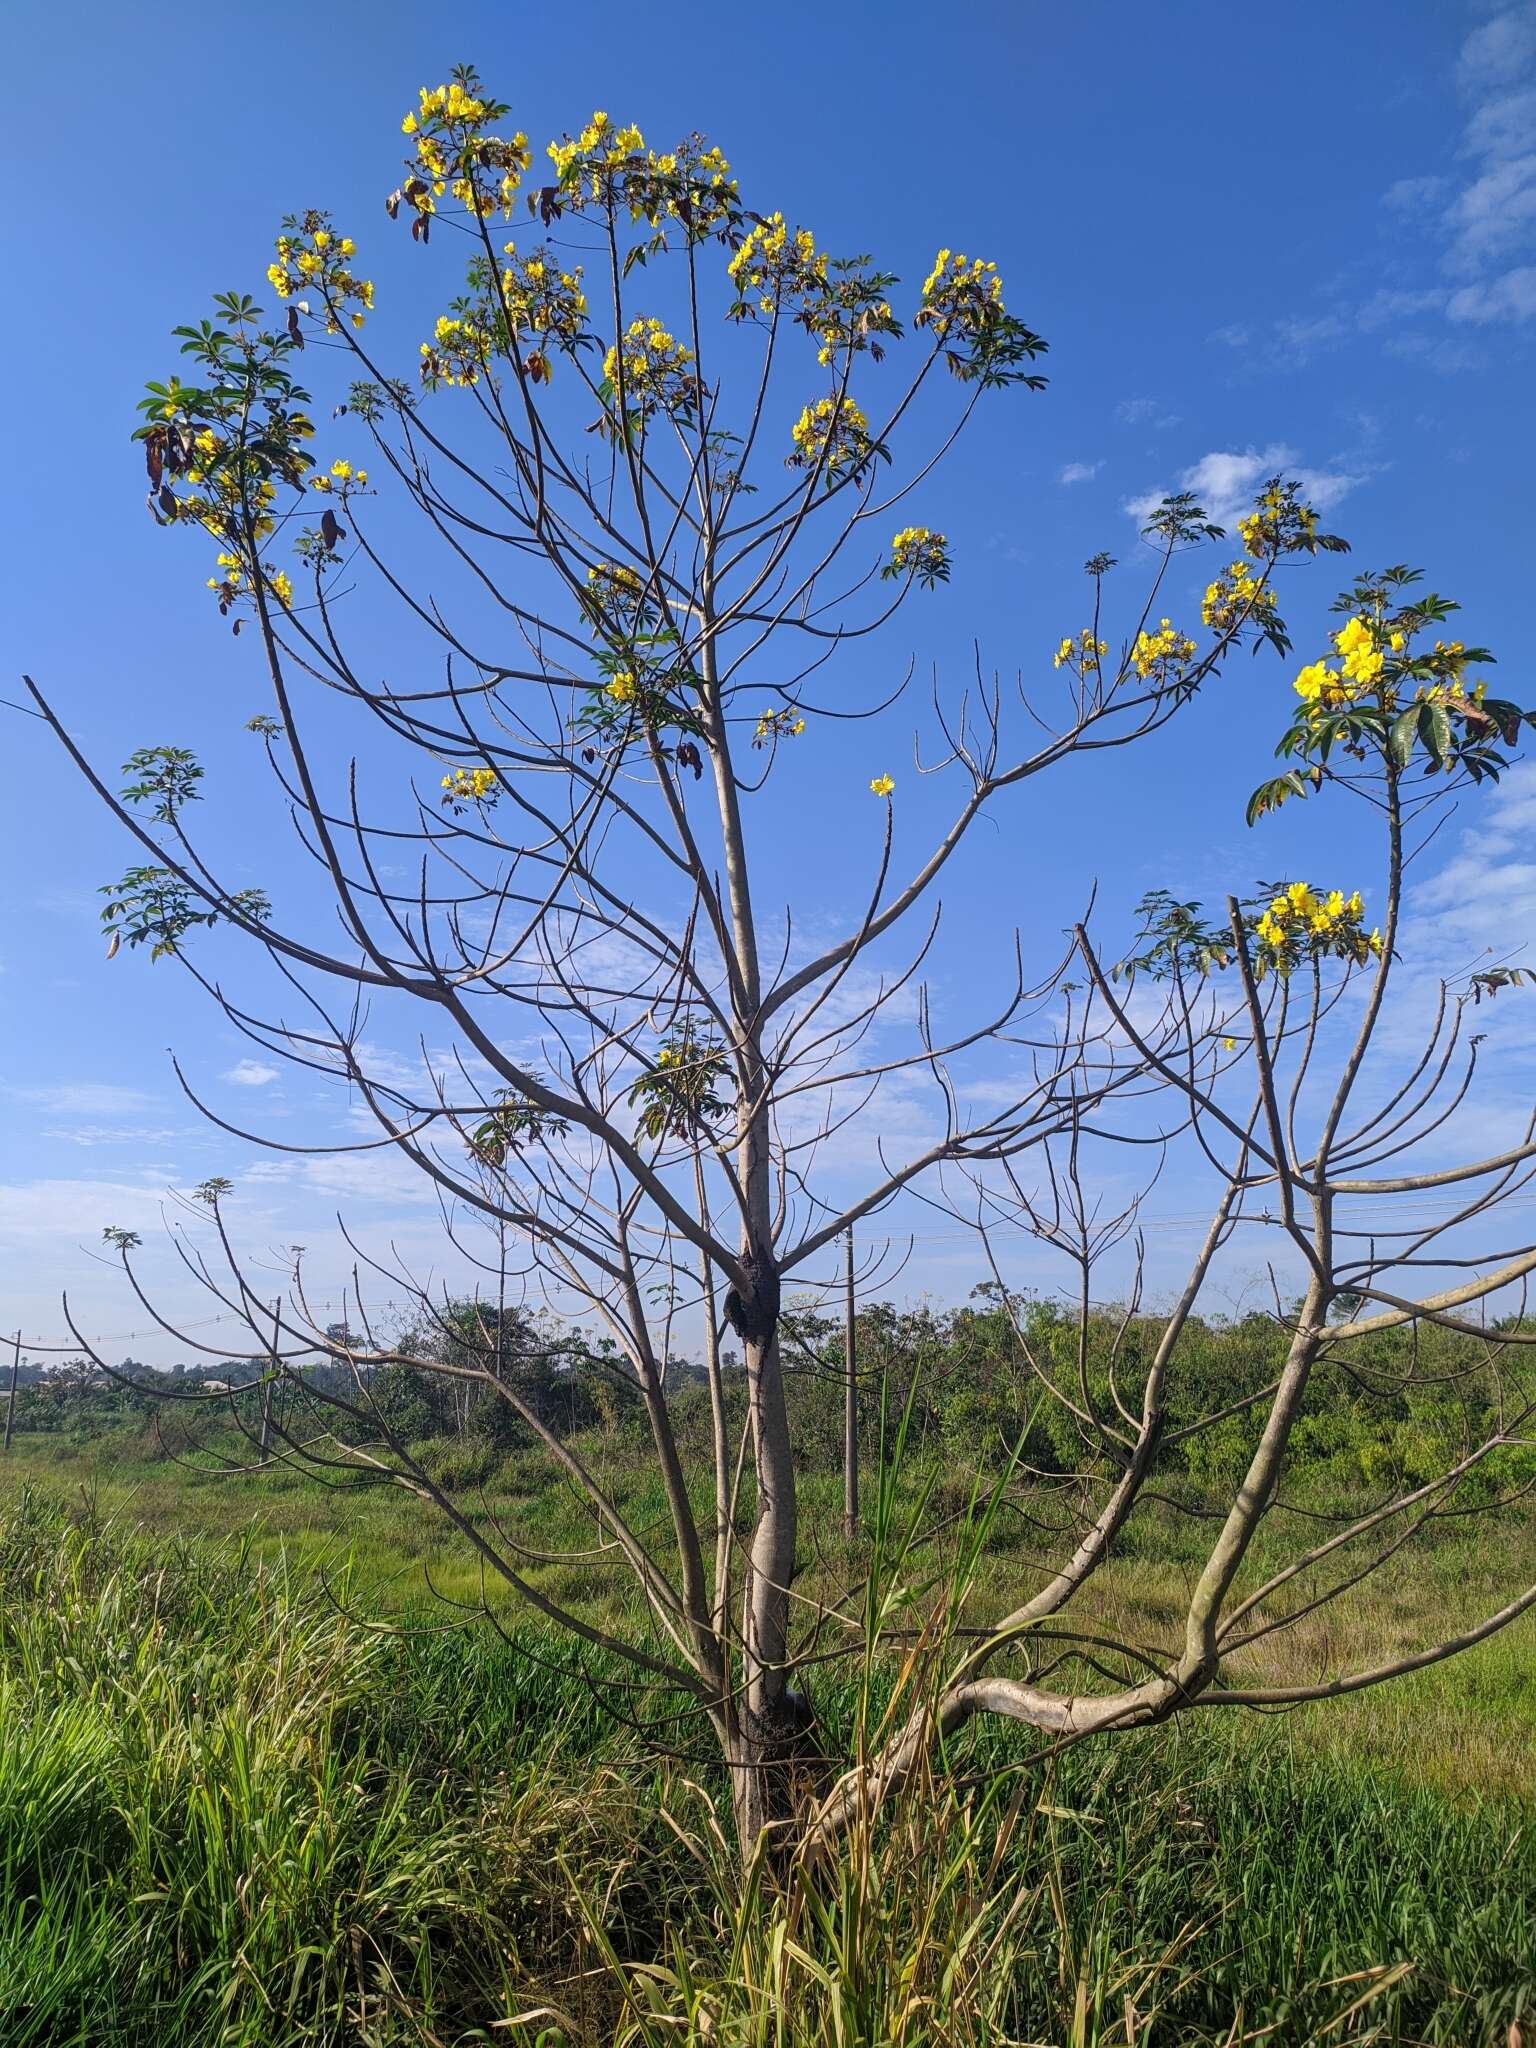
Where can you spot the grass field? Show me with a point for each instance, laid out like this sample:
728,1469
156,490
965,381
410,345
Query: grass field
234,1811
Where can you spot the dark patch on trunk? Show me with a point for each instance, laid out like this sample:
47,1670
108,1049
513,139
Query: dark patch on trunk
754,1314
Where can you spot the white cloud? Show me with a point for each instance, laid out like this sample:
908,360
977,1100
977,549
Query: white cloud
1487,217
1408,195
1483,211
1500,127
1510,297
1494,214
251,1074
1225,482
111,1134
86,1098
1145,412
1079,472
1435,351
1384,307
1500,50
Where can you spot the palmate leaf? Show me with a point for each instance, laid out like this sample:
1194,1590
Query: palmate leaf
1269,796
1400,739
1435,731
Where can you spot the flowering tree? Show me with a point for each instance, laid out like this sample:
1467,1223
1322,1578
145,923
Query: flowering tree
655,451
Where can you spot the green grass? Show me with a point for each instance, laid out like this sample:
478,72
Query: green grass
1468,1726
234,1811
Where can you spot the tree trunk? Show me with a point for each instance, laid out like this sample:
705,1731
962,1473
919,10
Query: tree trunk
773,1718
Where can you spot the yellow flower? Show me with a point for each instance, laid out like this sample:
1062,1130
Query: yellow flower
655,367
470,785
1161,653
1229,1044
282,588
621,686
921,553
1362,658
960,295
882,785
1237,596
1084,652
833,430
777,725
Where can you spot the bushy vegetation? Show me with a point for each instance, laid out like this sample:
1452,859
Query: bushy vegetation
1398,1408
234,1811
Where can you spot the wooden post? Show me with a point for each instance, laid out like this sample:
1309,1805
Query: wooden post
10,1406
850,1401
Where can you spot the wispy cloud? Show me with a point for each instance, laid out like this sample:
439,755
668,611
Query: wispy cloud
1225,481
85,1098
1477,209
251,1074
1145,412
1510,297
1079,472
111,1134
1486,216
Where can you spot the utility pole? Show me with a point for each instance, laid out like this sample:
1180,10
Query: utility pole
850,1401
10,1406
267,1382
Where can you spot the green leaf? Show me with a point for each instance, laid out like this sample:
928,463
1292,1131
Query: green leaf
1435,729
1400,738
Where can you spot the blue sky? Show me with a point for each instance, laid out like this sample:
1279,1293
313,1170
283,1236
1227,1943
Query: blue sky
1252,246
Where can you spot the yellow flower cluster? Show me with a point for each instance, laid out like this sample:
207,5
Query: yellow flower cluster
591,166
1321,688
916,551
443,103
1084,652
228,586
846,321
457,353
343,478
657,369
483,172
778,725
541,298
882,785
207,448
312,258
1361,660
834,434
1238,595
1160,656
690,184
960,295
777,264
470,786
600,138
1278,524
1302,920
622,687
614,585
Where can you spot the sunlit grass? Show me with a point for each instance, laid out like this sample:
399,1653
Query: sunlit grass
233,1811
